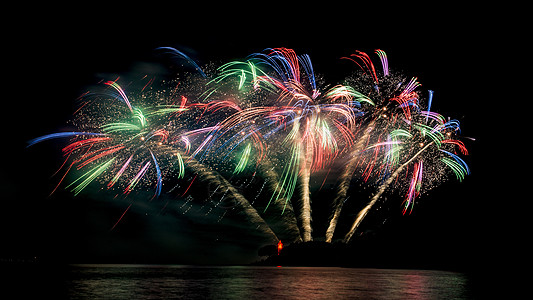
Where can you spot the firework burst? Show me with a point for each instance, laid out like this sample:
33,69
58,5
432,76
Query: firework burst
310,127
426,148
121,143
394,98
265,120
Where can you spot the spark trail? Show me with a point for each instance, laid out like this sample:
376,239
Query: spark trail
306,158
345,179
281,206
207,175
362,214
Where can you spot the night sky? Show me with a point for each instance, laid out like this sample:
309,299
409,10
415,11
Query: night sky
52,63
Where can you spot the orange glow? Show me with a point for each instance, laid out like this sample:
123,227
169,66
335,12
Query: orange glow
280,246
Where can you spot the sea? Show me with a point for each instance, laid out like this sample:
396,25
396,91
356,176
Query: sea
92,281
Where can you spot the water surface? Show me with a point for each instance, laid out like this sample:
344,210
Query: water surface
244,282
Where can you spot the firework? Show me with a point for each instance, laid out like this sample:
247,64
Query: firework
391,105
312,125
122,145
265,120
127,143
428,146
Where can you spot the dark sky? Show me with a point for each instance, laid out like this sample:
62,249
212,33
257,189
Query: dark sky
52,63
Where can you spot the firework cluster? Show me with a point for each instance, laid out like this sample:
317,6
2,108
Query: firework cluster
254,132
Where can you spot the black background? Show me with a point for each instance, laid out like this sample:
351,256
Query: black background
53,57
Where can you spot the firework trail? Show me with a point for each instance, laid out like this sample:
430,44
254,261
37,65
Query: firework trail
175,54
435,144
282,206
344,184
306,194
362,214
225,187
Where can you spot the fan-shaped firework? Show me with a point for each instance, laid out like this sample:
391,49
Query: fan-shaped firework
121,143
428,146
293,115
395,98
124,143
269,118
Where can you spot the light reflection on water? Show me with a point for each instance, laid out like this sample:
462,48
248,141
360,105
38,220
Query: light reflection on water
191,282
